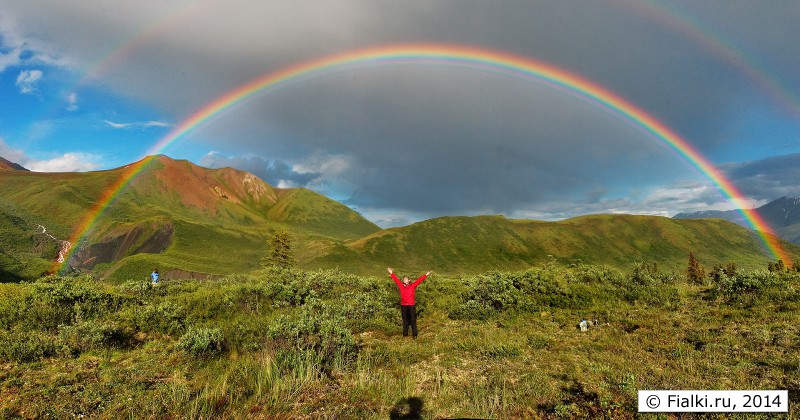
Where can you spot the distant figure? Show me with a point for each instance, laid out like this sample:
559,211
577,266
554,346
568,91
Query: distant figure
408,307
154,276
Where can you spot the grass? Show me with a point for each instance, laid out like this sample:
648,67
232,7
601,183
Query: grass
292,343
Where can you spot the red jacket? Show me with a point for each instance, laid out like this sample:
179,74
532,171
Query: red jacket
407,292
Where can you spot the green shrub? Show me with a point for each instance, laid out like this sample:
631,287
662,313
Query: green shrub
471,309
42,316
487,295
26,346
245,333
754,287
593,274
201,341
84,335
12,297
145,288
291,287
367,311
322,334
165,317
55,300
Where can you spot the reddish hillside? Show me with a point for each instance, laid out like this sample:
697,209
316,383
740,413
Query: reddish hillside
204,188
6,164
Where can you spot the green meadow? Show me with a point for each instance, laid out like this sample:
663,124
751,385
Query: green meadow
289,343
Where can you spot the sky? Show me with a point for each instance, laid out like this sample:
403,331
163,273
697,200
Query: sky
93,85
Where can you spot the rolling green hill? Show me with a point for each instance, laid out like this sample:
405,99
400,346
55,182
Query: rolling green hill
26,250
477,244
191,221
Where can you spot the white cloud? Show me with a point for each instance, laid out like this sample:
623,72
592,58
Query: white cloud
275,172
17,49
328,165
68,162
137,125
286,184
28,79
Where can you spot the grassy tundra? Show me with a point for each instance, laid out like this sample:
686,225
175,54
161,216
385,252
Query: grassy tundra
292,343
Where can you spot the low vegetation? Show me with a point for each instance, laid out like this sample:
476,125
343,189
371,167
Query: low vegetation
284,342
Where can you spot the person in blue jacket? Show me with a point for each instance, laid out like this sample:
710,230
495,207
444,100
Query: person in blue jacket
154,276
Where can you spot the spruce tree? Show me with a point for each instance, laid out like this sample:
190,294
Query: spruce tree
695,272
280,251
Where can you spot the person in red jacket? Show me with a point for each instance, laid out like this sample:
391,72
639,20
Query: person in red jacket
408,306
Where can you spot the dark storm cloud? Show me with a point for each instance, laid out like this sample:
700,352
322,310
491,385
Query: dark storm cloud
767,179
434,143
276,172
674,66
440,140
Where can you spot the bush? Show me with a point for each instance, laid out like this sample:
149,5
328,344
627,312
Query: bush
291,287
754,286
367,311
11,296
559,287
56,300
490,294
201,341
471,309
322,334
86,335
26,346
655,295
166,318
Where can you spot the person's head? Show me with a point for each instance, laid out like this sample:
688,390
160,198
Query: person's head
406,280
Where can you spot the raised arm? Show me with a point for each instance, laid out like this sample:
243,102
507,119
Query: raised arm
422,278
394,277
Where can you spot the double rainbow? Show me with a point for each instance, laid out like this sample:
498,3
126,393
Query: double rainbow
450,55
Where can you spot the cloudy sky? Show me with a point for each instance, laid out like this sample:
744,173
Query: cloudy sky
89,85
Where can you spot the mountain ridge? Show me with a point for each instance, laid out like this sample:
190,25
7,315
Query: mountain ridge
782,215
481,243
199,221
174,212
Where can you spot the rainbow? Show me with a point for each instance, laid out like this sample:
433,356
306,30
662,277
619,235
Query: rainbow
450,55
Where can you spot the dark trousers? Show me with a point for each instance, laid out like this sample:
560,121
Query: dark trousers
409,319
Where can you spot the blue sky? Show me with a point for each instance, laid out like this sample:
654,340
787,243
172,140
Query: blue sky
91,85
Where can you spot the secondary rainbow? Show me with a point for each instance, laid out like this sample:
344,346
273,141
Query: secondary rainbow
679,21
450,55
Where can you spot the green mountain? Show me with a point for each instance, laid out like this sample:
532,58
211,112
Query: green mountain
184,219
27,249
476,244
190,221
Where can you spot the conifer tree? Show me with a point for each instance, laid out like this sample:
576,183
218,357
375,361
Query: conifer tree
777,266
730,269
695,272
280,252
